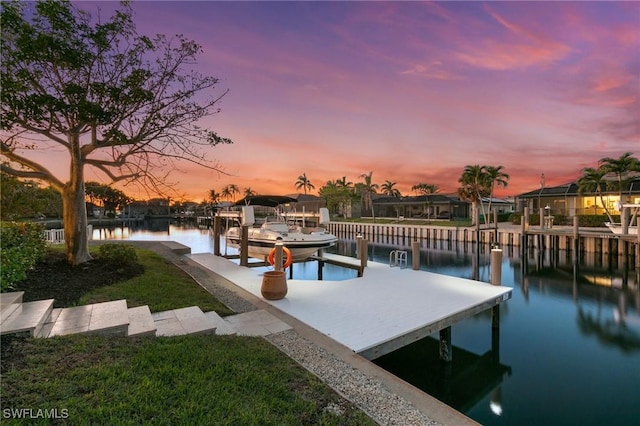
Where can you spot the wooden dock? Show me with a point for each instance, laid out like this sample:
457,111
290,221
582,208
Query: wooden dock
375,314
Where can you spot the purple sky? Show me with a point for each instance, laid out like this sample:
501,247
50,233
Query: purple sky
412,91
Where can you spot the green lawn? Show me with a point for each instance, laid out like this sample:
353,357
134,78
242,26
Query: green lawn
185,380
162,286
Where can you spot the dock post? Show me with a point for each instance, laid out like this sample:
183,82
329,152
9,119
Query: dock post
364,250
495,224
277,259
541,217
576,238
320,264
358,245
216,235
415,255
446,354
244,245
496,279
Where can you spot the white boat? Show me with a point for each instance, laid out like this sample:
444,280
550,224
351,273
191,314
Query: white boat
616,228
302,242
633,210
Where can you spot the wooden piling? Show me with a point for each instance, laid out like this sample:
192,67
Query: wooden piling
216,235
496,279
415,255
446,349
277,259
244,245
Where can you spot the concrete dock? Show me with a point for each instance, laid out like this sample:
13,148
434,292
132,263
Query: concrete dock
380,312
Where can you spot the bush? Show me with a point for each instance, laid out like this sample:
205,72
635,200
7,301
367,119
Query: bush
21,246
118,254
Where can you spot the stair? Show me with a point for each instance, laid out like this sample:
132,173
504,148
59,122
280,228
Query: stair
141,322
105,318
181,321
222,327
19,317
40,319
9,302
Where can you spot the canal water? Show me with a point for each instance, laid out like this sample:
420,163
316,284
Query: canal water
568,347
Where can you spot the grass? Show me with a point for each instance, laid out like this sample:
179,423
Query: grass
198,379
183,380
160,279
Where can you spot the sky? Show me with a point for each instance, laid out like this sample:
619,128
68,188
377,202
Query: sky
411,91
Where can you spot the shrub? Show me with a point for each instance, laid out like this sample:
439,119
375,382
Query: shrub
21,246
118,254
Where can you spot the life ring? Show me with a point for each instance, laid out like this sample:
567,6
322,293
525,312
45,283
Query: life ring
272,254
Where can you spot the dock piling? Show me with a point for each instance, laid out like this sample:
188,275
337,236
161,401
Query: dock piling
277,259
244,245
216,235
415,255
446,352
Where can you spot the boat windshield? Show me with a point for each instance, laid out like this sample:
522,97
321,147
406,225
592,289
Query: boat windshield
276,226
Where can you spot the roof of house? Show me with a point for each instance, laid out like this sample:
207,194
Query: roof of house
419,199
571,189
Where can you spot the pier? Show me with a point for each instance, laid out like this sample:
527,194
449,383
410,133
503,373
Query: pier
385,309
581,240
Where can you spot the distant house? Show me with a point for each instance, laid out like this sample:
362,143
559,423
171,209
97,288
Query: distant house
422,206
310,203
500,205
566,199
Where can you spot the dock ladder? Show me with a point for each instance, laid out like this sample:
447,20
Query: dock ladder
398,258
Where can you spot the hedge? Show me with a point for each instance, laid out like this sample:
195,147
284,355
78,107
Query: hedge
21,246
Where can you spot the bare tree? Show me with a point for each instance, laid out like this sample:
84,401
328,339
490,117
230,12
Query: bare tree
109,98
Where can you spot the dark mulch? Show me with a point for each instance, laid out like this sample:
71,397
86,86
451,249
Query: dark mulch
55,278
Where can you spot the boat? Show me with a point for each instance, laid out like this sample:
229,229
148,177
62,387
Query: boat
301,241
633,210
616,228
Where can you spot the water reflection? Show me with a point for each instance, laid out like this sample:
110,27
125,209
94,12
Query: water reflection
568,347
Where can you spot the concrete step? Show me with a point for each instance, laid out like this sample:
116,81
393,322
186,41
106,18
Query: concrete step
257,323
141,322
222,326
27,317
110,318
9,302
177,248
177,322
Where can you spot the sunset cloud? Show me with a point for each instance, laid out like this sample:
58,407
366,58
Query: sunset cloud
412,91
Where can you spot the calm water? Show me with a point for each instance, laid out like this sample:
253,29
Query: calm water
568,349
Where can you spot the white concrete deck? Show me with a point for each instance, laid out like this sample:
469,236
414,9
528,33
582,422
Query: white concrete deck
385,309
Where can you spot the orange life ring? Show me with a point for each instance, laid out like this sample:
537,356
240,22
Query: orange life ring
272,254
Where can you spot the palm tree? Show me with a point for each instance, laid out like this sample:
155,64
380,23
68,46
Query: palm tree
495,176
226,192
620,167
474,186
592,180
214,196
304,183
233,190
331,195
388,189
425,188
346,193
248,192
368,189
342,183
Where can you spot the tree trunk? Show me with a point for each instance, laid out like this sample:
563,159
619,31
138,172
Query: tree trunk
75,222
